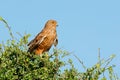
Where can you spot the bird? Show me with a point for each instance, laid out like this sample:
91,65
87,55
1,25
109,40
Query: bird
45,39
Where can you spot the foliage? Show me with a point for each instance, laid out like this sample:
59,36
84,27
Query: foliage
18,64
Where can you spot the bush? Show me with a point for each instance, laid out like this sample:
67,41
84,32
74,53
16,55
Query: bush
18,64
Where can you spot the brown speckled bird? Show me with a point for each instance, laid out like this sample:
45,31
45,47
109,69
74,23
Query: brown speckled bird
45,39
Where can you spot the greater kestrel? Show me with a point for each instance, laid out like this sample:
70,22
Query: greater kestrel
45,39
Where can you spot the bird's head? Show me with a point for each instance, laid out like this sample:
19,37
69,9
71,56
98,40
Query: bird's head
51,24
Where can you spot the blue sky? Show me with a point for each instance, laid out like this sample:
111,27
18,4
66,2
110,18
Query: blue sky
84,25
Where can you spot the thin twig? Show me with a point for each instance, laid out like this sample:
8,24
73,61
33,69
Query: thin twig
80,62
99,56
7,26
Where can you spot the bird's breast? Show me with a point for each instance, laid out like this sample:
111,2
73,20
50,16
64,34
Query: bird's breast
49,39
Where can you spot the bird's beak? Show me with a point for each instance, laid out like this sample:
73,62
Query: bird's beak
57,25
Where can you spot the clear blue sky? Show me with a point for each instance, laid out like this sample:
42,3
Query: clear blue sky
84,25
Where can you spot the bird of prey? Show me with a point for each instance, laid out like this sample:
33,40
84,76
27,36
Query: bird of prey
45,39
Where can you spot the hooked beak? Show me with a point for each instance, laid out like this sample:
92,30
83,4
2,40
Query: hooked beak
57,25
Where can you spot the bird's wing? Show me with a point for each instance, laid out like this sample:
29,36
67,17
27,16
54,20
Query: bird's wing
36,42
55,42
30,42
